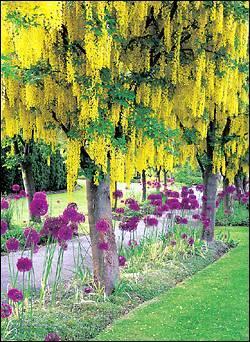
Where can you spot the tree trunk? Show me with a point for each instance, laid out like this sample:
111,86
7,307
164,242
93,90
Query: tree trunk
209,206
245,184
158,173
228,205
165,177
115,202
105,262
29,185
238,183
144,185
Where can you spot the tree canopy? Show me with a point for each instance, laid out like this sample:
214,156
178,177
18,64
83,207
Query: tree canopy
120,78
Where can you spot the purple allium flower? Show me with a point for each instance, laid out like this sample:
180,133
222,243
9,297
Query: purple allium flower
130,225
230,189
4,227
15,187
88,289
133,205
71,214
156,202
192,197
24,264
103,246
194,204
122,260
32,236
6,310
178,219
184,220
153,197
196,217
17,197
102,226
217,203
12,245
244,199
190,191
173,203
52,337
190,241
204,198
119,210
4,204
39,205
150,221
15,295
172,242
183,235
117,194
132,243
65,233
23,193
200,187
51,226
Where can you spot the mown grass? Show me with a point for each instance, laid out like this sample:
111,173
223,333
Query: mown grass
211,306
82,319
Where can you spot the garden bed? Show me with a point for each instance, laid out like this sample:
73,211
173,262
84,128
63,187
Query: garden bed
80,316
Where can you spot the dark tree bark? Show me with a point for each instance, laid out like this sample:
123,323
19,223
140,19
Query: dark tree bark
238,182
158,173
165,177
210,181
105,263
228,204
115,203
27,173
209,206
144,185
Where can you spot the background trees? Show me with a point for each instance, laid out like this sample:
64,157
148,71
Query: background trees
119,79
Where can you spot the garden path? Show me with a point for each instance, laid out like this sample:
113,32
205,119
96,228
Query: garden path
68,260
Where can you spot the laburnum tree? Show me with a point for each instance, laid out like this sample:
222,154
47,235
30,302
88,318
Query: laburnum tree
119,78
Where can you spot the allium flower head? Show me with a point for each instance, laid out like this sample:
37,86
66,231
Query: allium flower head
230,189
151,221
196,216
15,295
88,289
102,226
204,198
172,242
12,245
184,220
122,260
117,194
32,236
15,187
200,187
190,241
39,205
119,211
24,264
4,227
103,246
51,226
130,225
183,235
71,214
52,337
153,197
6,310
23,193
134,206
65,233
4,204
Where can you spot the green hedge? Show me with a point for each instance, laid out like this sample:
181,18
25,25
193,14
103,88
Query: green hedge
48,178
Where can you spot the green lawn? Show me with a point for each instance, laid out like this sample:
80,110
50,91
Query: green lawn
210,306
